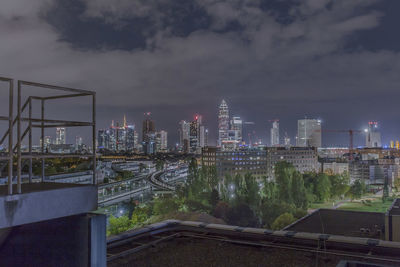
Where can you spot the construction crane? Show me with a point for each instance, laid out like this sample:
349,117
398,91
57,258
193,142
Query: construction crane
351,136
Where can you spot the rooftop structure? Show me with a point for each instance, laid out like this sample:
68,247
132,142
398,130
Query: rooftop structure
186,243
44,223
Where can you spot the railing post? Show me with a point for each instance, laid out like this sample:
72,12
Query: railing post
42,136
30,140
19,139
10,137
94,137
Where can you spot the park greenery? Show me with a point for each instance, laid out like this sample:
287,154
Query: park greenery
244,200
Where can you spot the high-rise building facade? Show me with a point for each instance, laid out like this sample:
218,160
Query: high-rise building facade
78,142
130,138
118,138
309,133
373,136
148,135
223,123
275,133
194,136
61,136
162,141
237,126
184,132
286,140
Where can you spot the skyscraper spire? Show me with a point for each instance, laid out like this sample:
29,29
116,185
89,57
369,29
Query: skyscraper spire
125,121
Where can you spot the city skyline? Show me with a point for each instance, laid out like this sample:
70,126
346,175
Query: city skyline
347,77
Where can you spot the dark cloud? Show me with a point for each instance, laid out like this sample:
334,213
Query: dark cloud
269,59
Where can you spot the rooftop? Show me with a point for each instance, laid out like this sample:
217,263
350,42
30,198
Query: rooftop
185,243
342,222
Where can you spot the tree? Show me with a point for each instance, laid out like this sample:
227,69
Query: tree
283,177
193,171
299,194
214,198
270,190
221,210
340,185
119,225
164,205
241,214
357,189
141,214
322,187
251,190
270,210
212,177
283,220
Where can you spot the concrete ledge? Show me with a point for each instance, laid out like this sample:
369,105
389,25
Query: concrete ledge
46,201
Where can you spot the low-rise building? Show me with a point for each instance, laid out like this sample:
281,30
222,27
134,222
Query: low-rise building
242,161
304,159
375,171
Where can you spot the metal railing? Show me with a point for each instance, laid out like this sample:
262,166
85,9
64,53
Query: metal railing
15,150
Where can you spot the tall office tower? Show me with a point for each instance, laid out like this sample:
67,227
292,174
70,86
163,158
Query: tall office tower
78,142
194,136
60,136
237,126
223,123
373,137
162,141
121,138
112,138
309,133
286,140
184,130
275,133
102,138
203,136
148,127
148,135
130,138
47,141
136,140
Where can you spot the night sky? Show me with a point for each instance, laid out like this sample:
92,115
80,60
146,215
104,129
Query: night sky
334,60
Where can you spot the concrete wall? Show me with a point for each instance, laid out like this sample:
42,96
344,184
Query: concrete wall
70,241
47,204
392,225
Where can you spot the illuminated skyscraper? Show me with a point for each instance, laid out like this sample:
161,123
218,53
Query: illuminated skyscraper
373,136
286,140
148,135
309,133
237,126
275,133
194,136
162,141
223,123
60,136
78,142
130,137
184,131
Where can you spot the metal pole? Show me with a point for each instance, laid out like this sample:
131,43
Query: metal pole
30,140
42,136
10,138
19,139
94,137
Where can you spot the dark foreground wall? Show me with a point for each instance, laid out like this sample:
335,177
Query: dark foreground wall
78,240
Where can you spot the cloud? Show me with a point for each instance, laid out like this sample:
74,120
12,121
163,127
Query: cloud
256,64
